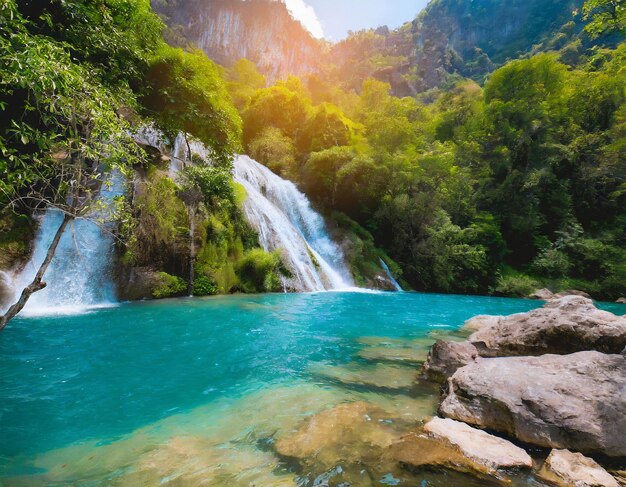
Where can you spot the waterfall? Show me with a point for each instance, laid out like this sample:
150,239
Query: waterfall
285,221
390,276
80,274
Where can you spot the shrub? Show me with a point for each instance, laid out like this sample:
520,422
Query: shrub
519,285
551,263
204,286
168,286
260,271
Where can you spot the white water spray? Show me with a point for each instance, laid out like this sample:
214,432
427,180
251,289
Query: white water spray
397,286
285,221
80,274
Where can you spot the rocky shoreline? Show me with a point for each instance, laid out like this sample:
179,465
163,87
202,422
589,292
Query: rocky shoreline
536,398
554,378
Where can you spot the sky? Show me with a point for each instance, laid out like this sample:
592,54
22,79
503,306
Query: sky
332,19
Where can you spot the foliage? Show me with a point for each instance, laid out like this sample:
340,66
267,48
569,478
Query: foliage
187,94
260,271
518,285
605,16
275,150
467,182
203,286
168,286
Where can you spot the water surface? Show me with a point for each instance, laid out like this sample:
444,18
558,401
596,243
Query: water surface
88,399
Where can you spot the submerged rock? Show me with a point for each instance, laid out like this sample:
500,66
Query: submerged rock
408,355
481,447
572,401
567,469
445,358
565,325
349,433
384,376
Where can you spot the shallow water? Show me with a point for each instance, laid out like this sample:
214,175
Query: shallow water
194,391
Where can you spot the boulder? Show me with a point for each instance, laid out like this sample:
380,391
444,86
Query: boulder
572,292
479,446
542,295
479,322
621,301
567,469
445,358
564,325
450,449
574,401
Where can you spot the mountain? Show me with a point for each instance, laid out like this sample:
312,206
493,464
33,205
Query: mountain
262,31
451,38
448,40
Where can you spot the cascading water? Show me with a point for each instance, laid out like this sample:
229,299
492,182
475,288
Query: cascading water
80,274
285,221
392,279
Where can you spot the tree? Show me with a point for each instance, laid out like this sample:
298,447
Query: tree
605,16
60,133
186,94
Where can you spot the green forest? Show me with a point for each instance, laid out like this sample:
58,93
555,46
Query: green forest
498,184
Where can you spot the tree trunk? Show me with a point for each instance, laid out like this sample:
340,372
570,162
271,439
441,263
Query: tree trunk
37,284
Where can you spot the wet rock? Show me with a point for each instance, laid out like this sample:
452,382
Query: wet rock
384,376
572,401
349,433
481,447
542,295
407,355
479,322
567,469
621,301
445,358
565,325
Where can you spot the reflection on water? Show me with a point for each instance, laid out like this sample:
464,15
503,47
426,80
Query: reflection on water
296,390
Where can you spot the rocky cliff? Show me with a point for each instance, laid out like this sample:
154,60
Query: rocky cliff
262,31
468,38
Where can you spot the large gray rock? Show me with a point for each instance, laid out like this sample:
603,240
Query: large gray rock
445,358
575,401
564,325
567,469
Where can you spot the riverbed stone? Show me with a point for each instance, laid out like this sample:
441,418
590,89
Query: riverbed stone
621,301
479,446
445,358
407,355
564,325
574,401
569,469
384,376
346,434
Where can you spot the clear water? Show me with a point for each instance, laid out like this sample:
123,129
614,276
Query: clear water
144,393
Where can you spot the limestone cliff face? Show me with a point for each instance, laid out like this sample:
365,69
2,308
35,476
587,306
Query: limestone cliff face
262,31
